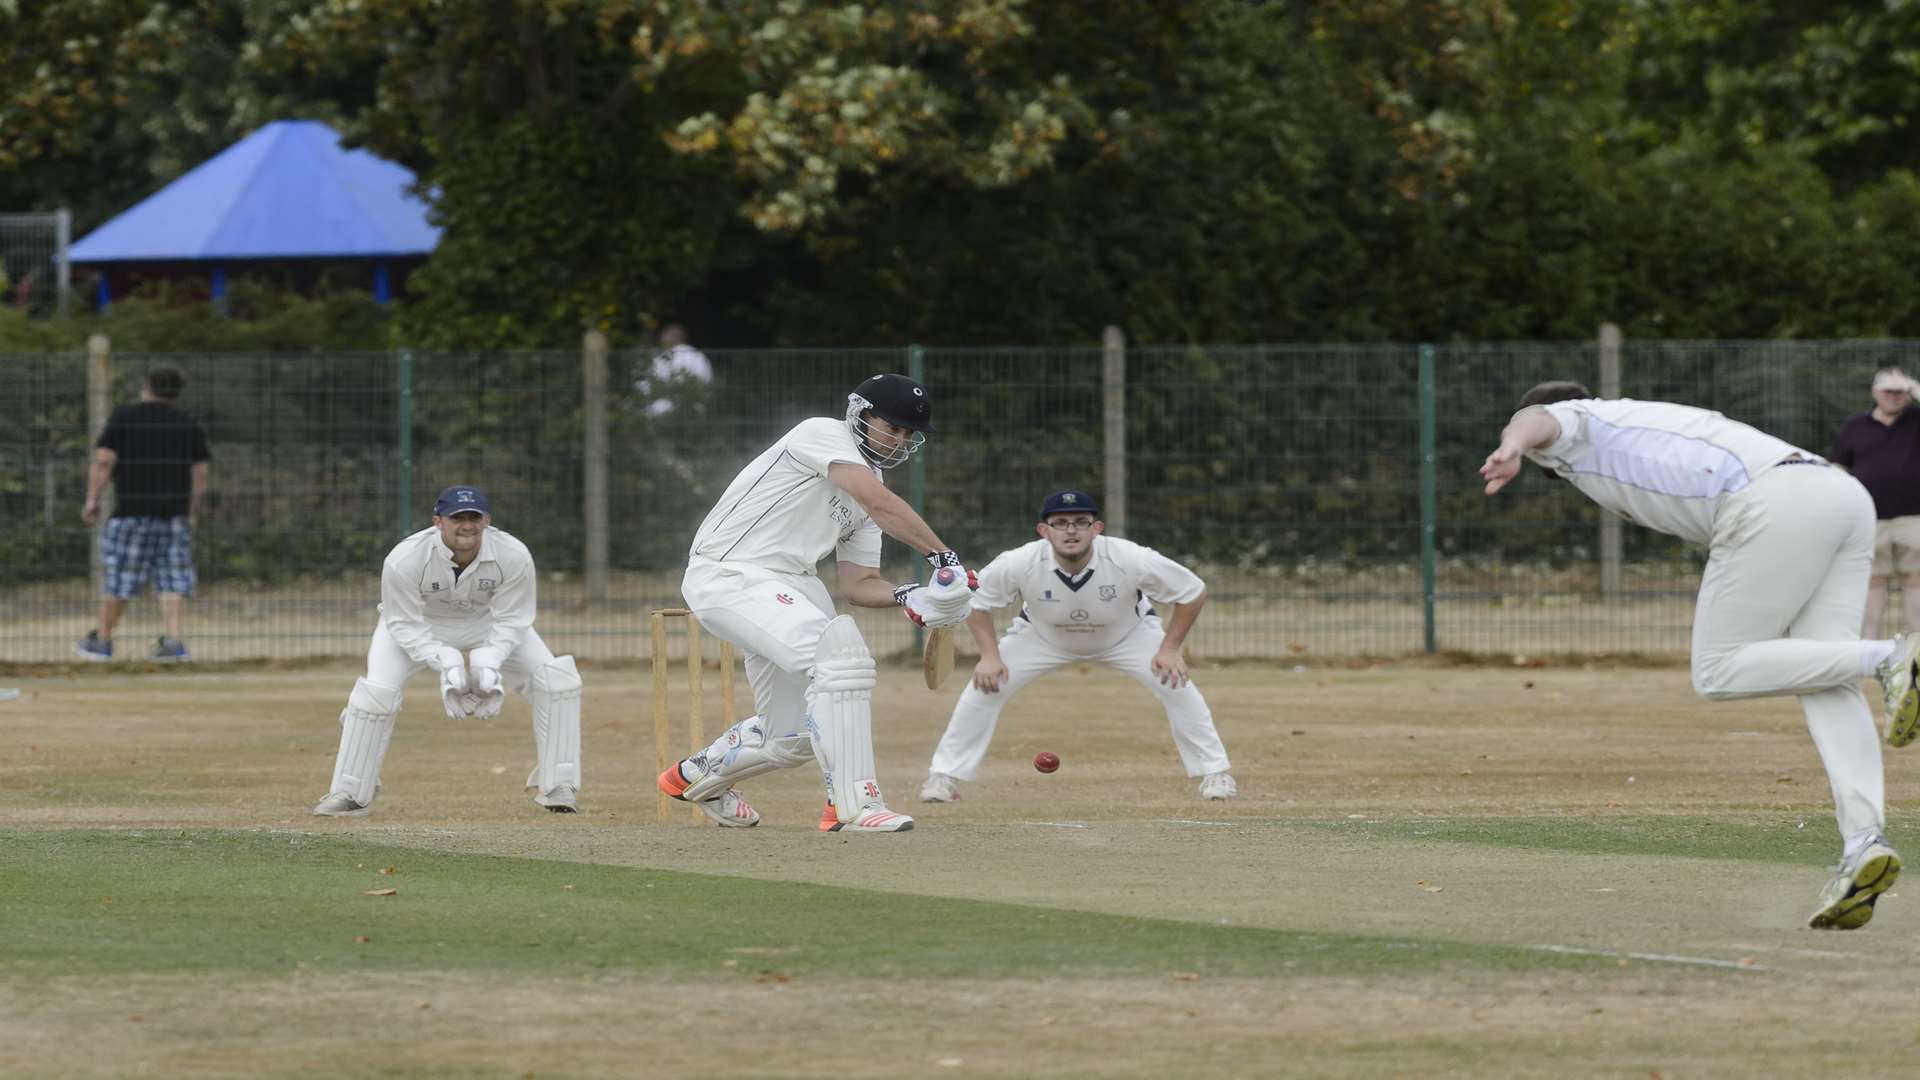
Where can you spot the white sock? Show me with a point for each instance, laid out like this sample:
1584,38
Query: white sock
1858,842
1873,654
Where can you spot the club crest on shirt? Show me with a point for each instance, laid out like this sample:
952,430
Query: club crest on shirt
783,598
436,586
486,584
1108,592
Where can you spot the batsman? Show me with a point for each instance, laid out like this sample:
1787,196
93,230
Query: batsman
751,578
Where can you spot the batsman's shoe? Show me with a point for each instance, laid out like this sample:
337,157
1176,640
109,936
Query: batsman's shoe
829,821
561,800
940,788
673,783
91,648
873,817
339,804
1900,678
730,810
1218,786
169,651
1847,901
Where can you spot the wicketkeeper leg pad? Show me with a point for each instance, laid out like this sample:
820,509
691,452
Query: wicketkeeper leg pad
554,690
742,752
840,717
366,727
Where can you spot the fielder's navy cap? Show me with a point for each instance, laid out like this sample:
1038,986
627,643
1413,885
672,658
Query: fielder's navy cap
460,497
1068,502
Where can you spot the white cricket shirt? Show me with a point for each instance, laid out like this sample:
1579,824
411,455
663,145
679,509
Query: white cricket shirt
783,513
1086,613
1668,467
420,594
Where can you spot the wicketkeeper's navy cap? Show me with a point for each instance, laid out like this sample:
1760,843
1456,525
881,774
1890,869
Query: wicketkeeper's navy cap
460,497
1068,502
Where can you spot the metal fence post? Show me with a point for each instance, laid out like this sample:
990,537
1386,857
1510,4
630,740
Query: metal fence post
99,407
917,467
1611,584
404,420
1113,386
593,452
1429,498
62,262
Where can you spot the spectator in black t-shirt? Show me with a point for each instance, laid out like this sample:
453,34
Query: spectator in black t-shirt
1881,448
157,459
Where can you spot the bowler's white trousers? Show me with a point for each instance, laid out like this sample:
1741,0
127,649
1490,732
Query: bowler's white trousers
1028,656
1779,613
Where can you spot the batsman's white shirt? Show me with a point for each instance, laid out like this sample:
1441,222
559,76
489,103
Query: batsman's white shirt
1668,467
1087,613
782,513
487,608
1790,545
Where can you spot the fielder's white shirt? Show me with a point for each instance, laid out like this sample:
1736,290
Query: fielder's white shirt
783,513
1086,613
1668,467
424,604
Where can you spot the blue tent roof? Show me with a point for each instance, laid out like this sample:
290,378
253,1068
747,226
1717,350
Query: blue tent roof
287,191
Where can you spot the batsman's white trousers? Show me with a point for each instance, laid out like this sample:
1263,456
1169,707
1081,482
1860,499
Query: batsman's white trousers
1779,613
389,665
1028,656
776,620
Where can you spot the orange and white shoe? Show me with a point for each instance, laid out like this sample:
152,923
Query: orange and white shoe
873,817
729,809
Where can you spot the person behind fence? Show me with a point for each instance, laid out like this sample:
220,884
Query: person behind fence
675,362
158,461
751,579
1084,598
1790,546
1881,448
460,585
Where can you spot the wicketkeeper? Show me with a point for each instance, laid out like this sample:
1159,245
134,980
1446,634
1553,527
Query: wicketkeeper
1084,598
460,586
751,579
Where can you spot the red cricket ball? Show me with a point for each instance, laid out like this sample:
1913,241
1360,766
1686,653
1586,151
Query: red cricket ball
945,576
1046,761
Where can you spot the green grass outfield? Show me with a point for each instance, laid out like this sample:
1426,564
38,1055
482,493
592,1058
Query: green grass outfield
170,901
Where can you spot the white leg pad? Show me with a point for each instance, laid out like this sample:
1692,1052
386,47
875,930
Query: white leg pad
840,717
366,727
742,752
554,690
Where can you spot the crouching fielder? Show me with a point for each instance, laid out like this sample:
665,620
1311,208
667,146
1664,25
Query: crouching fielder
459,585
1083,600
750,579
1789,547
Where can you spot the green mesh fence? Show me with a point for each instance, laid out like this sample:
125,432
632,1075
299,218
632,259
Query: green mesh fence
1290,477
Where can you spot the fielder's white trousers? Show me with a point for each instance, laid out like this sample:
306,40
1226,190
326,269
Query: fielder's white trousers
775,620
1779,613
1028,656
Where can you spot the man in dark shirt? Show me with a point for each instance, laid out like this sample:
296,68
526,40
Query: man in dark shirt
157,459
1881,448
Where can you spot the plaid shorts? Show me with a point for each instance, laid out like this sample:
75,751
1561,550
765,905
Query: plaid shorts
131,548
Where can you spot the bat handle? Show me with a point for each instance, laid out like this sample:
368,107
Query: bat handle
944,575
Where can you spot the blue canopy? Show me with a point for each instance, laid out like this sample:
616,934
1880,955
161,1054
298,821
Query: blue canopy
287,191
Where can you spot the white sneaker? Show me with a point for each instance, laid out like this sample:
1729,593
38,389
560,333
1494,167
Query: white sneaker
940,788
561,800
1218,786
874,817
1847,901
1900,678
339,804
730,809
